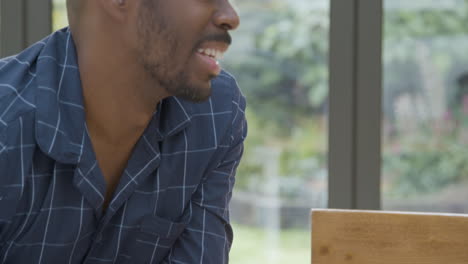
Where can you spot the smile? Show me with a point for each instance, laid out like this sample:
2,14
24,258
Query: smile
212,53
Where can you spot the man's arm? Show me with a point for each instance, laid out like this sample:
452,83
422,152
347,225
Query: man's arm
208,236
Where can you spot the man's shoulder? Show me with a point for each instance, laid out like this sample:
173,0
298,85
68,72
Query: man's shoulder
226,95
225,86
18,84
21,61
222,111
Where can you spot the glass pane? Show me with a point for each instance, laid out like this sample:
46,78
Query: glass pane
59,14
425,102
280,59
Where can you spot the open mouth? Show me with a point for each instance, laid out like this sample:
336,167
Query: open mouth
214,54
209,54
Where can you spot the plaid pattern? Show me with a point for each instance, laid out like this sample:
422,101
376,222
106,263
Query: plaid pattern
171,205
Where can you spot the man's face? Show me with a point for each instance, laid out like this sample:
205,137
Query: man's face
180,41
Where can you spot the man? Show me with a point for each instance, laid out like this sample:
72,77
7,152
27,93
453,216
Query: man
120,137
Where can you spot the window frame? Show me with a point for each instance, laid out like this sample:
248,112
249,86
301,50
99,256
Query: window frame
354,160
23,22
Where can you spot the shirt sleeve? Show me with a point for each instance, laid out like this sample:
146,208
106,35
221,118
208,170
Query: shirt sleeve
208,236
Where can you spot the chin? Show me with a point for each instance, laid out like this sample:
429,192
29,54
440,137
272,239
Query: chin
195,93
202,95
200,90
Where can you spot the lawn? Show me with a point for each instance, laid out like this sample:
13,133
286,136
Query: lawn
256,246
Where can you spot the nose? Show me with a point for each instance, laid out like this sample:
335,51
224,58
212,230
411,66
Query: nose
226,17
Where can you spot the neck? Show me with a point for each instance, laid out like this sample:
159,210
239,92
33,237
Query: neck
119,98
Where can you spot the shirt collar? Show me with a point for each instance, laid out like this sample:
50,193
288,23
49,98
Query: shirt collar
60,115
174,114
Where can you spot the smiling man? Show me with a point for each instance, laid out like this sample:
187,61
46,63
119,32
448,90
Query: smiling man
120,137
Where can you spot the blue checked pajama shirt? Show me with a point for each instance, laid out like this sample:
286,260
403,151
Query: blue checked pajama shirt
171,205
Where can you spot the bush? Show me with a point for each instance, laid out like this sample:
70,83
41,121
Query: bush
425,167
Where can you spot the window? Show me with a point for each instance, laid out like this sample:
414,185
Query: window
280,59
425,106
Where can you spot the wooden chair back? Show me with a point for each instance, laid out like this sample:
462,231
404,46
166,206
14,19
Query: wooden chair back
379,237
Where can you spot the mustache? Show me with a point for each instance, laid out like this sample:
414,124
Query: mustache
226,38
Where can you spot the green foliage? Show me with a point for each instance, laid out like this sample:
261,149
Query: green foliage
425,162
301,157
285,74
250,170
426,23
305,151
425,166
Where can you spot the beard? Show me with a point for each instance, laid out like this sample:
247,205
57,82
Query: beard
157,48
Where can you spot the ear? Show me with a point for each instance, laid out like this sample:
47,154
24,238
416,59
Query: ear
117,9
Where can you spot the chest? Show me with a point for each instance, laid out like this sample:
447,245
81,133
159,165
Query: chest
112,161
62,204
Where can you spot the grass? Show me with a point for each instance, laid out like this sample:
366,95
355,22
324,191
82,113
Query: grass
256,245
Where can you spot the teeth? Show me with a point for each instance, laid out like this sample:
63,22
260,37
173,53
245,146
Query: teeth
216,54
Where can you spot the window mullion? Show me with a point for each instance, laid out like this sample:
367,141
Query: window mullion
355,104
12,25
38,20
368,104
